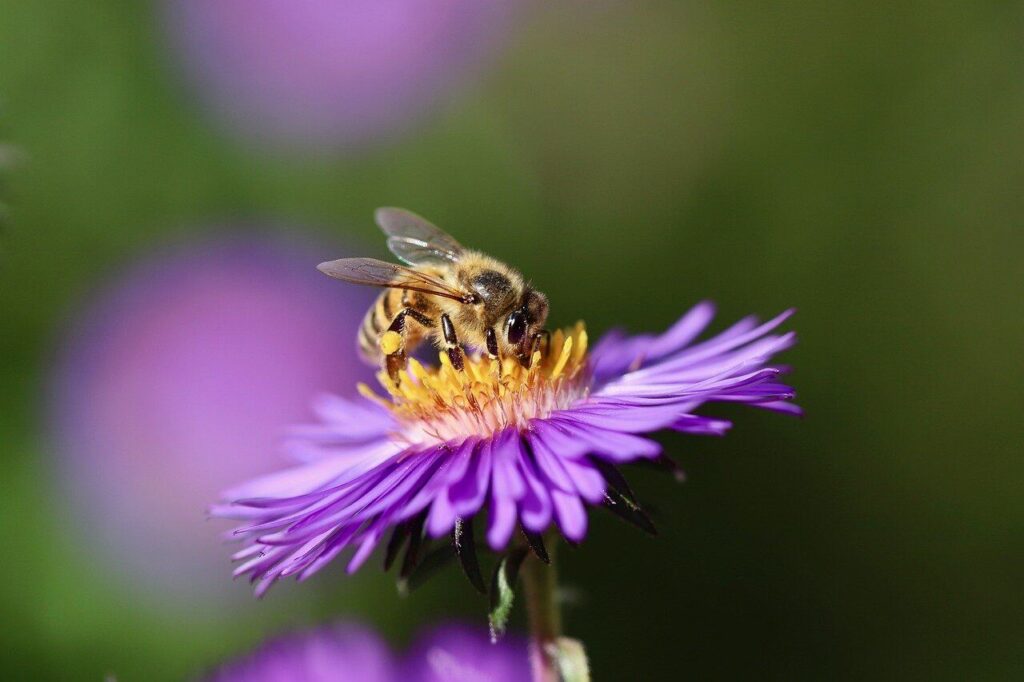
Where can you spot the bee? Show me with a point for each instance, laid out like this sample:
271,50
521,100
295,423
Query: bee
448,294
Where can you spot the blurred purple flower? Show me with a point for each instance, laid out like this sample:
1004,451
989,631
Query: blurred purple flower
453,653
532,446
181,373
330,654
345,652
321,72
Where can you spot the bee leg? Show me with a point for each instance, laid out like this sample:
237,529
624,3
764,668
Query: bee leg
526,359
394,364
491,338
535,342
451,342
392,341
492,344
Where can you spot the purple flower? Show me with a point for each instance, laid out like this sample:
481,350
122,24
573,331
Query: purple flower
179,374
329,654
309,73
453,653
349,652
532,447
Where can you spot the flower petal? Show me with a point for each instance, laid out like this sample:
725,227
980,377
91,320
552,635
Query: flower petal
572,517
450,458
467,495
701,426
441,518
304,478
587,480
581,435
502,521
616,352
685,330
535,507
505,454
620,415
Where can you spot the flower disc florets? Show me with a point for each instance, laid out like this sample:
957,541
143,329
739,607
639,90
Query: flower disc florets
436,405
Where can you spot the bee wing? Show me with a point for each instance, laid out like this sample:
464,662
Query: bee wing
378,273
415,240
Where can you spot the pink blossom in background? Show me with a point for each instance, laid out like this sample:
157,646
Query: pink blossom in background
181,373
314,73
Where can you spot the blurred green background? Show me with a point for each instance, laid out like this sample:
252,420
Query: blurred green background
863,162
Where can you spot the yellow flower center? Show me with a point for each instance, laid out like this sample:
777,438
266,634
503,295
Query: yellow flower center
444,404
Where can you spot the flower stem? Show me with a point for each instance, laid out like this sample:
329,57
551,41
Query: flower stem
540,582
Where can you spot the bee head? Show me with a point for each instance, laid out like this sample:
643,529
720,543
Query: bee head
525,321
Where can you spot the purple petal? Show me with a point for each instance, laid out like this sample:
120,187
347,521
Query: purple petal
547,459
616,352
685,330
467,495
388,493
505,453
588,481
441,518
462,457
502,520
619,415
424,467
727,341
783,407
535,507
561,468
682,370
588,431
701,426
336,502
572,517
331,549
450,459
304,478
353,418
366,547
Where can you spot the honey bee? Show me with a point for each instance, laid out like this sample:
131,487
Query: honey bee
449,294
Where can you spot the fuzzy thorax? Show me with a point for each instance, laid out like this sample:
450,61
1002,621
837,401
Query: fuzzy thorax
443,405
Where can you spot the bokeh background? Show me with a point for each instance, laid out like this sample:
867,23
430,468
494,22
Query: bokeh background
171,171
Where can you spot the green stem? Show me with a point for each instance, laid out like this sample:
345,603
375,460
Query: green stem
540,583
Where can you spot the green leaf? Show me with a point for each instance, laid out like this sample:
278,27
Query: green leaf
503,584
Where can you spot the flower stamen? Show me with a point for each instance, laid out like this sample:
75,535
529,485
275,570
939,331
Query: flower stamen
490,394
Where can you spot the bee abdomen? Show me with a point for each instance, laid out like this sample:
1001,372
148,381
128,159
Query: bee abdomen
376,321
367,341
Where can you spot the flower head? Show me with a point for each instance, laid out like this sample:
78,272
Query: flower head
346,651
531,446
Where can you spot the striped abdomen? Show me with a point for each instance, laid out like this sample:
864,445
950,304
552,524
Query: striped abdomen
380,316
376,320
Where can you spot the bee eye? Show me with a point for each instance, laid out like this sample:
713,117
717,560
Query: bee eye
516,327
